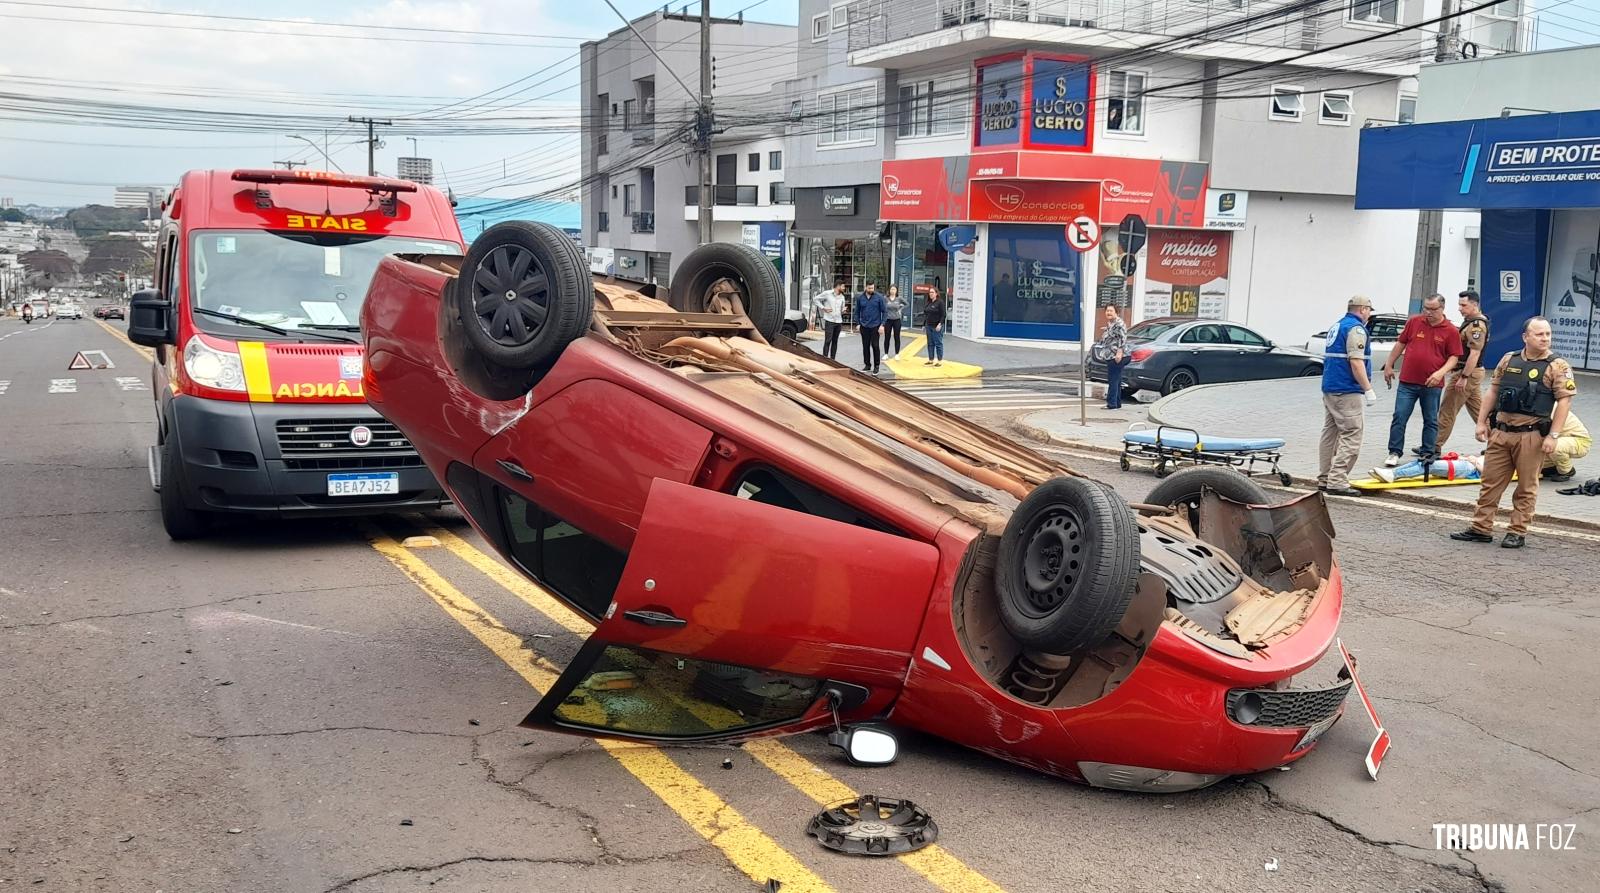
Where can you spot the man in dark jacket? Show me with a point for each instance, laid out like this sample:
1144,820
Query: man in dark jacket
871,310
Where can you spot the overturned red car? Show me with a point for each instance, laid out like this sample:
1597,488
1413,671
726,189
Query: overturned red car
770,542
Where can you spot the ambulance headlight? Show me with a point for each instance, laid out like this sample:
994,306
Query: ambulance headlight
212,368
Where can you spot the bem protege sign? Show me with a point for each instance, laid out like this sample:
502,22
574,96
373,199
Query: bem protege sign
1548,161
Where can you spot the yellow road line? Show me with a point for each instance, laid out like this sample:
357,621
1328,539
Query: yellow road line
142,351
746,846
934,862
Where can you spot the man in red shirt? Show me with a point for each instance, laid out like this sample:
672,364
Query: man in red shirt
1431,347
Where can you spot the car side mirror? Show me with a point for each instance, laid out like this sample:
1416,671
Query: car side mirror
867,744
151,321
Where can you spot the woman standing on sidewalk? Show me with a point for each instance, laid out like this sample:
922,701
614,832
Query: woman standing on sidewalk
891,323
933,325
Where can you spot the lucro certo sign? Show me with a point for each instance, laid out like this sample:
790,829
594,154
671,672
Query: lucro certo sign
1035,100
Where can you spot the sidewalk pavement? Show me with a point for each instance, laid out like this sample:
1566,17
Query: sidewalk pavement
1291,408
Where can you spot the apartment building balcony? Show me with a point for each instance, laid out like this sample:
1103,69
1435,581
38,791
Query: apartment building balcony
739,204
644,221
723,194
904,34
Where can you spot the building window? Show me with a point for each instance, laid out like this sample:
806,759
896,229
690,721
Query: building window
1287,103
848,117
1407,113
628,206
935,107
1125,102
1336,108
775,160
754,162
1375,12
819,27
841,16
582,569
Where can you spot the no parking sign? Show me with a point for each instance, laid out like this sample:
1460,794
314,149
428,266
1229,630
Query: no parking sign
1083,233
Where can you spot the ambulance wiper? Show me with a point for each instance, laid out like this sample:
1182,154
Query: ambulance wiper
243,321
335,326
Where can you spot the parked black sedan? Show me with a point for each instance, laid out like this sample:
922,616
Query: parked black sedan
1173,353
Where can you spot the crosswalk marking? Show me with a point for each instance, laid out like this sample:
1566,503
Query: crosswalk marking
63,386
5,386
1010,394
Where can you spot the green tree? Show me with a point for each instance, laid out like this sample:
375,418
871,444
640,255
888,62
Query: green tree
13,215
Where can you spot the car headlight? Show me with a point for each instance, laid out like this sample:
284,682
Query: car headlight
212,368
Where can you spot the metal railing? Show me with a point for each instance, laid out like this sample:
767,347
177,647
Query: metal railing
723,194
872,23
779,194
644,221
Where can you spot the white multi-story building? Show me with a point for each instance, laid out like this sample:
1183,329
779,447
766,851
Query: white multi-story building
147,197
417,170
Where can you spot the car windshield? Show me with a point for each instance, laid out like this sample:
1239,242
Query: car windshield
1155,328
291,280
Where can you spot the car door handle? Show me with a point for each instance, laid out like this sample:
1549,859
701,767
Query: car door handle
655,618
515,470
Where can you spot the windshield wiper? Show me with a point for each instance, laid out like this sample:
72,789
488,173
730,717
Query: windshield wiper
335,326
243,321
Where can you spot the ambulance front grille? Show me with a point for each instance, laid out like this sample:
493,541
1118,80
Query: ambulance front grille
325,444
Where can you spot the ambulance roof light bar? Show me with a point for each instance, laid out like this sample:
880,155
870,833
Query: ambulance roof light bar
375,185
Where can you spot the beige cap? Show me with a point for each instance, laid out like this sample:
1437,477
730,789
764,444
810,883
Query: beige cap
1359,301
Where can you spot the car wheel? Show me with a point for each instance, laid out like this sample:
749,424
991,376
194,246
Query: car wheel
790,330
1183,490
180,521
1178,379
523,295
709,272
1310,371
1068,566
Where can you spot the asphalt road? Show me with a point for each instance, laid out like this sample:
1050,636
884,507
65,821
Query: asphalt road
315,707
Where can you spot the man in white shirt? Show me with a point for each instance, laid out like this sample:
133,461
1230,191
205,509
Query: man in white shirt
831,305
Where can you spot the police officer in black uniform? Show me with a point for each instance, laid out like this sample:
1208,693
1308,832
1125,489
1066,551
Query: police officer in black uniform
1527,405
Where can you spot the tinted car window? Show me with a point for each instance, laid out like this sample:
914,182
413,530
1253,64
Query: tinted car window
581,569
1150,331
1203,335
1385,329
1243,336
771,487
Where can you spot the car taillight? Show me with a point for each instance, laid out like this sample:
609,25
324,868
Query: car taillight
1141,354
209,367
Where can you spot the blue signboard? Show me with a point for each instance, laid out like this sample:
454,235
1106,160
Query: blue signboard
1060,112
1033,283
1530,161
1000,99
955,238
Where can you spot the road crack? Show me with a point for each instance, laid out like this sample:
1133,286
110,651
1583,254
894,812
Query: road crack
178,609
289,734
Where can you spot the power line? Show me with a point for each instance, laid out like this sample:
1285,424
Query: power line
237,18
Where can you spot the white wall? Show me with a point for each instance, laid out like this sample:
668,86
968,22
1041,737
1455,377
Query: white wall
1172,126
1302,257
1455,254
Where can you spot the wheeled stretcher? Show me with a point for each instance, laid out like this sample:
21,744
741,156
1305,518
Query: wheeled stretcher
1170,447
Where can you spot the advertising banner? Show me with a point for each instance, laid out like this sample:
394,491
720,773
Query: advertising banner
1000,96
1226,208
1572,294
932,190
961,292
1187,274
1061,107
1033,201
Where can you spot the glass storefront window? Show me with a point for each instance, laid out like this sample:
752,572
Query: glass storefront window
854,261
920,262
1033,283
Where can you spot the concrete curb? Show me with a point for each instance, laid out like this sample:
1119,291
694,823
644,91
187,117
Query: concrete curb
1401,495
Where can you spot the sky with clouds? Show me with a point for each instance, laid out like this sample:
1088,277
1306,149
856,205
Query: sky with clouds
116,51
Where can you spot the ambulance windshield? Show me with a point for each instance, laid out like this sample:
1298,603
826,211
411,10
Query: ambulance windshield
291,280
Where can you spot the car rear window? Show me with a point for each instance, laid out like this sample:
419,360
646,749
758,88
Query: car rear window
1150,331
581,569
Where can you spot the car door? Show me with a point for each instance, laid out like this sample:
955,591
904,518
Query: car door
735,617
1253,358
1207,351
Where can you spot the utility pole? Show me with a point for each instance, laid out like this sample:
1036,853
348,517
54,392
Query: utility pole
291,165
372,140
1430,224
703,123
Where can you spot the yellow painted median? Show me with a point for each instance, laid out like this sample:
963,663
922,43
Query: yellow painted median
912,363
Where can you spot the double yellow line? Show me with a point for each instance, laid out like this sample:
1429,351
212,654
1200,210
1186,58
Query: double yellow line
749,848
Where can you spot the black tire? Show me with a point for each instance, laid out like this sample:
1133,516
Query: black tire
1068,566
790,329
1310,370
180,521
1183,490
523,294
1178,379
751,273
1124,464
1162,468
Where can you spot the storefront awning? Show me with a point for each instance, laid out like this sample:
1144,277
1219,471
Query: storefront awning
1525,162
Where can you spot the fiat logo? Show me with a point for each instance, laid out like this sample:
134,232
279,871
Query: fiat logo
361,435
1006,198
1113,188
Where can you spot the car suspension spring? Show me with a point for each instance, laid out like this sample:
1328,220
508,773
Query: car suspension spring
1035,676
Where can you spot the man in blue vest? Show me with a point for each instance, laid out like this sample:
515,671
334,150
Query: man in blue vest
1346,380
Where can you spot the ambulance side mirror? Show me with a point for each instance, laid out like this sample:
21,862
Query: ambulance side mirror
151,321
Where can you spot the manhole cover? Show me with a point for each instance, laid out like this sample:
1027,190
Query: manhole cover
874,826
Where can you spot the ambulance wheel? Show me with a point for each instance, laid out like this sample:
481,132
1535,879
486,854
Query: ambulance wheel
1068,566
524,295
180,521
709,273
1183,490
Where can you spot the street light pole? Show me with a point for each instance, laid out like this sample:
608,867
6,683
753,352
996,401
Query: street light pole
323,149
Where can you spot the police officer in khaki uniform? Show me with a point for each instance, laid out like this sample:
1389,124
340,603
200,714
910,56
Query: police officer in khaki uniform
1529,399
1465,387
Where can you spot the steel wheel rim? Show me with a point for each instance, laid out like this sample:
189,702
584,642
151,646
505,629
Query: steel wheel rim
711,297
511,295
1052,562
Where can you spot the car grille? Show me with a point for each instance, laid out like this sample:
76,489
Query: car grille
1290,708
325,445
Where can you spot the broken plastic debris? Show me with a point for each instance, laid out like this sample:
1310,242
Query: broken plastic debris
613,680
1271,864
727,763
419,542
235,830
473,722
405,823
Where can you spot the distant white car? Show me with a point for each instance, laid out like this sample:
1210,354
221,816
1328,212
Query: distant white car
1383,329
69,311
